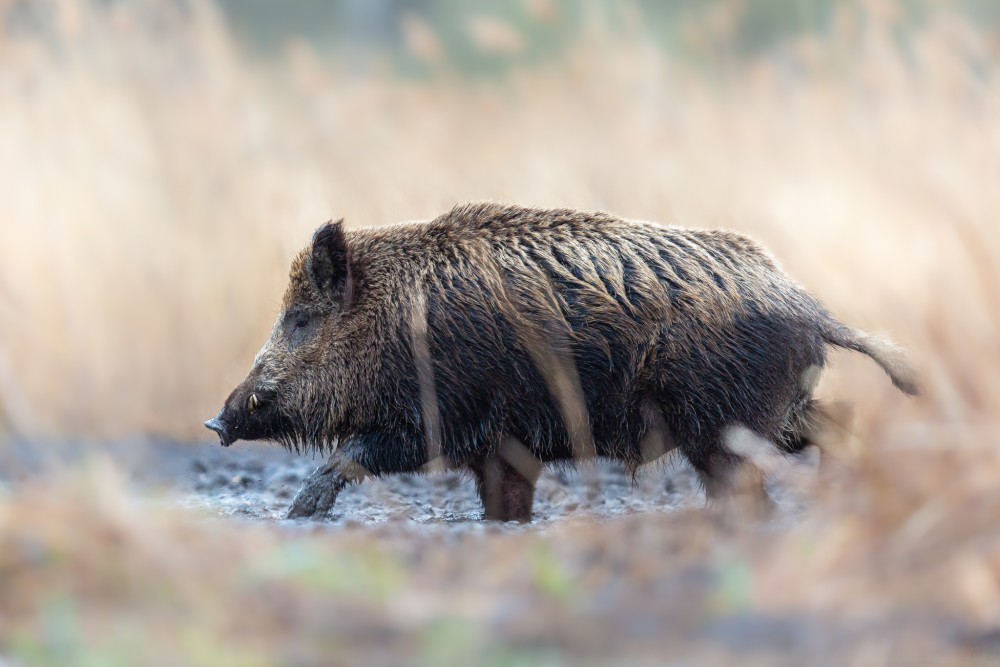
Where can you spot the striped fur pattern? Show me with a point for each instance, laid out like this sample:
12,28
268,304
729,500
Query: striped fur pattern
500,338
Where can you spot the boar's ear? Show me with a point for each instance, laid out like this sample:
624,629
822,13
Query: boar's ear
330,264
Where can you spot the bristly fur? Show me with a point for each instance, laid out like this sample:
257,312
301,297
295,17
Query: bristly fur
573,334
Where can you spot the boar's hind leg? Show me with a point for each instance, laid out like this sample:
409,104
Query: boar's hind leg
506,482
730,481
319,492
825,426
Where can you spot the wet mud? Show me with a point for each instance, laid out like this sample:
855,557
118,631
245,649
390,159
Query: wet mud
256,482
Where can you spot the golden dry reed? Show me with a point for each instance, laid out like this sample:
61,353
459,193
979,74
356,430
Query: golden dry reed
156,185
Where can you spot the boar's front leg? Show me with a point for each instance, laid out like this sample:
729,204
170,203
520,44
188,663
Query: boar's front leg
505,480
319,492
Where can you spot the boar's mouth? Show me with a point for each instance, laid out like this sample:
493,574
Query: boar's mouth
226,436
256,418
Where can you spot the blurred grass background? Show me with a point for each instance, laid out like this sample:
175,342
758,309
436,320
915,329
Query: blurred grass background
161,162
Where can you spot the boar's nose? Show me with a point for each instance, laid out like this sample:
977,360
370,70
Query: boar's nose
216,424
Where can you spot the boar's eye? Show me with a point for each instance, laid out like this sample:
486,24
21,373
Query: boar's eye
299,326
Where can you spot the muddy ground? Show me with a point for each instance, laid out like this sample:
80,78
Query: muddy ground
256,482
657,582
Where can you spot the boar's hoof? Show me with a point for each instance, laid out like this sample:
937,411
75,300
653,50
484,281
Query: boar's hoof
318,494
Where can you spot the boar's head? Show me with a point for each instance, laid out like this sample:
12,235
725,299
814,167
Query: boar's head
294,392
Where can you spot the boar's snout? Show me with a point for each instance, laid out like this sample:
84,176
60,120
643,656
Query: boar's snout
219,425
250,413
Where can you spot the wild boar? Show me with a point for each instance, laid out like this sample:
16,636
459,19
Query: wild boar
498,338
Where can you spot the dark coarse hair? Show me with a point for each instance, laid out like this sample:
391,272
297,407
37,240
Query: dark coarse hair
499,338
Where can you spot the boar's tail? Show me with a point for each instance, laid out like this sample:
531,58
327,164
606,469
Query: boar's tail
886,354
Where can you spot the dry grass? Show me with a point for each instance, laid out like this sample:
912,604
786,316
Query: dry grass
155,185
